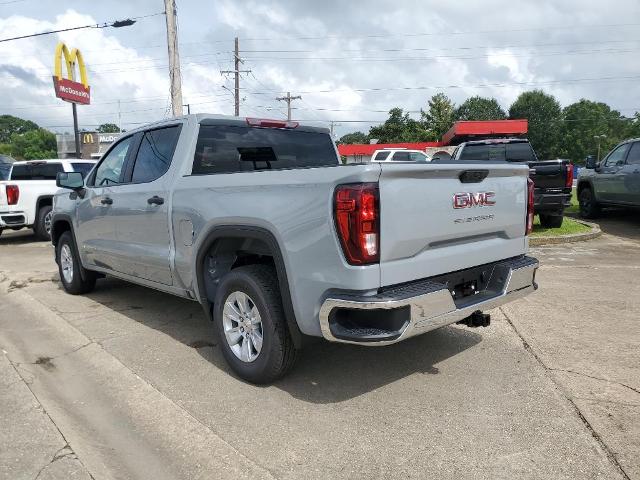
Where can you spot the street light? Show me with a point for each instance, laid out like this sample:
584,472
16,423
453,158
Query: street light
599,138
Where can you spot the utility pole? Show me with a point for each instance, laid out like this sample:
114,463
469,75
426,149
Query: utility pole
333,124
76,133
288,99
119,118
188,105
174,58
236,61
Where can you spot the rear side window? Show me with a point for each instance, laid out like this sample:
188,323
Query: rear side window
36,171
155,154
228,149
83,168
380,156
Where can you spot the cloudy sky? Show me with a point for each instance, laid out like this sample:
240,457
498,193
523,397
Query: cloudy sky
350,60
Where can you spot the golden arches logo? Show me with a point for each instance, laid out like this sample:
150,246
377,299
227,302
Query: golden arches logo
70,59
87,138
68,88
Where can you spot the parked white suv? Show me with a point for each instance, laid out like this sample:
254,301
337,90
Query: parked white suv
399,155
26,197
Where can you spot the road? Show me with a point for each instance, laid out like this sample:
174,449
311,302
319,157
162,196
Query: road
129,383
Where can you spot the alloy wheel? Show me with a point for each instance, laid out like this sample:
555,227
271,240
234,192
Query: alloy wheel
242,326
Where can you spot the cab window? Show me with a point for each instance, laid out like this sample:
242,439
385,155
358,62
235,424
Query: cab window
617,156
109,172
155,154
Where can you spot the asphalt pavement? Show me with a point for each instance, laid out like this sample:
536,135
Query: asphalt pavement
127,382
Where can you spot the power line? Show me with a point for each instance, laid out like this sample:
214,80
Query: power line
454,57
449,33
115,23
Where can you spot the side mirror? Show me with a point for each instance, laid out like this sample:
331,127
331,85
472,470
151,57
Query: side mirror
71,180
590,162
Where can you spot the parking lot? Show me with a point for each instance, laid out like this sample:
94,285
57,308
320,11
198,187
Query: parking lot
129,383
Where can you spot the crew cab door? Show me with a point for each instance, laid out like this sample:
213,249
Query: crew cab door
96,227
141,207
630,176
607,182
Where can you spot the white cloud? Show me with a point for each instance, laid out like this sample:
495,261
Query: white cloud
130,64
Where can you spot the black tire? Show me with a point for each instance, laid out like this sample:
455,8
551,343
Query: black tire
42,231
589,207
80,280
548,220
278,353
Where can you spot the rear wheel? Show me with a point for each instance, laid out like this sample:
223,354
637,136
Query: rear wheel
42,228
75,279
589,208
251,325
548,220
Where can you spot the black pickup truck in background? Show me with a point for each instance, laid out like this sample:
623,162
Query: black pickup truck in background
553,179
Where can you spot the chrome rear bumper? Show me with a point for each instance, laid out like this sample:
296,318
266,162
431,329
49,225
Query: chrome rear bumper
431,304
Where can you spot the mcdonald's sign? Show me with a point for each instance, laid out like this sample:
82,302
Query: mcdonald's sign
67,88
87,138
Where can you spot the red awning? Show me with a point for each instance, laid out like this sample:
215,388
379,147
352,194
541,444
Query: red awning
484,128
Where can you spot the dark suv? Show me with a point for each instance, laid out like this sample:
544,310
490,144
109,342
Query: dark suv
552,179
615,181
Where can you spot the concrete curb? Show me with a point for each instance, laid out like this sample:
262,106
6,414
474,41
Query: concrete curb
576,237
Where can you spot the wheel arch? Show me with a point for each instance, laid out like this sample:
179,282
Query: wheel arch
229,244
44,201
582,185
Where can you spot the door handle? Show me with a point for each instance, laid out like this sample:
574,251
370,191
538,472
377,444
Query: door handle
106,201
155,200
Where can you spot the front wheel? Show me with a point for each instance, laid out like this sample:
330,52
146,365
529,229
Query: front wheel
589,208
75,279
251,324
551,220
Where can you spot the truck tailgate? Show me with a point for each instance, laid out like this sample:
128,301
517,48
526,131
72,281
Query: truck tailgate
423,235
548,173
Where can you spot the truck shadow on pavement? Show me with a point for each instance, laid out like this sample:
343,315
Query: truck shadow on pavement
19,237
325,372
621,223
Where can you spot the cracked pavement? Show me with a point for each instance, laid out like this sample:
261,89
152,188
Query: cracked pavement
127,382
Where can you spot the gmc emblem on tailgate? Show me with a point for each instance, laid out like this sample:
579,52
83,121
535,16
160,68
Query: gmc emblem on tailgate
468,200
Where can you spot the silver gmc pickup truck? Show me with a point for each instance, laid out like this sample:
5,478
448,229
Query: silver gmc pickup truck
258,221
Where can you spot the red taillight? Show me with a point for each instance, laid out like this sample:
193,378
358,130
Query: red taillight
267,123
13,194
568,182
357,215
530,206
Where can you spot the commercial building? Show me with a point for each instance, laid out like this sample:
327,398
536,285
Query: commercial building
92,144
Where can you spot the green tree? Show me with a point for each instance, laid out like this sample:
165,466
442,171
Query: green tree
480,108
399,127
583,120
34,145
10,125
543,113
633,130
354,137
439,118
108,128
